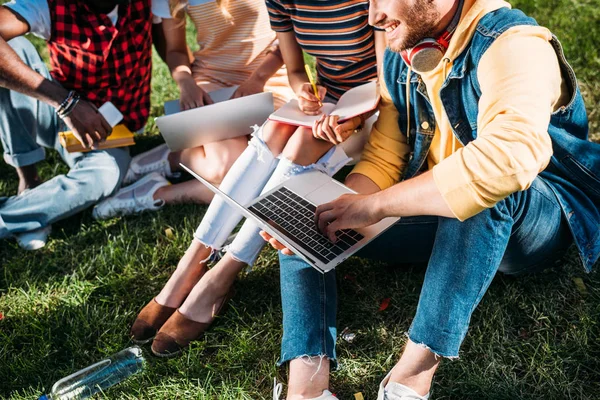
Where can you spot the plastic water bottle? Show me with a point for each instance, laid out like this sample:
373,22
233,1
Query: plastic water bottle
98,377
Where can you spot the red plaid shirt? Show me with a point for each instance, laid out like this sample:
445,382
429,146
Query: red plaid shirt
103,62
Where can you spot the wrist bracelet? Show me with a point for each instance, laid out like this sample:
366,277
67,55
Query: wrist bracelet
68,104
65,102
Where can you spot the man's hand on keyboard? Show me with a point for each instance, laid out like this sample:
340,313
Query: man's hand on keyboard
276,244
347,211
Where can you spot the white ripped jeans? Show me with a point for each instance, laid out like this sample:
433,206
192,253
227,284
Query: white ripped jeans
254,172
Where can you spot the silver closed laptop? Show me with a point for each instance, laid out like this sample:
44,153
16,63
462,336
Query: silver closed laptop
211,123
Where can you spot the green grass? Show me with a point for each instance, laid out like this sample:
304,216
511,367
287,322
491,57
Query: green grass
72,303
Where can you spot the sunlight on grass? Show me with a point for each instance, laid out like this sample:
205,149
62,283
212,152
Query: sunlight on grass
73,302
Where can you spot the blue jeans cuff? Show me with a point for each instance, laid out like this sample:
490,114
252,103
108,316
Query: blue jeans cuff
287,357
24,159
439,343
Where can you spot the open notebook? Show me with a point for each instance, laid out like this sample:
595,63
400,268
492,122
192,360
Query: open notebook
355,101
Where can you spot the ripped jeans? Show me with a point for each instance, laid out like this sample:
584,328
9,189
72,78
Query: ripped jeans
254,172
525,232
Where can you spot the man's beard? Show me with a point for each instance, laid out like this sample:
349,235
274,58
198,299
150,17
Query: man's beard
423,18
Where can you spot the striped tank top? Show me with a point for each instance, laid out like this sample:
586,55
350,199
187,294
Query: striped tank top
336,33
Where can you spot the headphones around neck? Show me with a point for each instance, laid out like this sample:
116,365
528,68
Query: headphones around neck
428,53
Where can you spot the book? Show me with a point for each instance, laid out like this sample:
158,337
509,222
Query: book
356,101
121,136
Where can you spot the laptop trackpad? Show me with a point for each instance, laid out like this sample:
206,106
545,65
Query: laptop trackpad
326,193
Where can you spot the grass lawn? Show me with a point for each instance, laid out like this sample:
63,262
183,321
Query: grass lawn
72,303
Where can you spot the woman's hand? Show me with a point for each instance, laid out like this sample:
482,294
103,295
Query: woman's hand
327,128
192,96
248,87
307,101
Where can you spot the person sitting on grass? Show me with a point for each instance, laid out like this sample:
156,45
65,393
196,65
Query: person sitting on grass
237,47
100,50
275,152
488,134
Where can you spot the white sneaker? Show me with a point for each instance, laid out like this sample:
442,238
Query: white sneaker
133,199
278,388
155,160
397,391
33,240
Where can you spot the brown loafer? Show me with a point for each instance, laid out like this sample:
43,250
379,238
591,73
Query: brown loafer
149,321
179,331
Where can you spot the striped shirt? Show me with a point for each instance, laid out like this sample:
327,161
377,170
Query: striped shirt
336,33
230,50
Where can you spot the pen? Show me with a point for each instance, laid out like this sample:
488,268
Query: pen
312,82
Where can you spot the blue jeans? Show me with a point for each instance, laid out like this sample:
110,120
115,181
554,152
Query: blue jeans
26,127
523,233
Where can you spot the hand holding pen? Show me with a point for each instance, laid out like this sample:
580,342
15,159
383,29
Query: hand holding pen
310,95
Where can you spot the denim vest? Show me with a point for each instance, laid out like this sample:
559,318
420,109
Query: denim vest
574,169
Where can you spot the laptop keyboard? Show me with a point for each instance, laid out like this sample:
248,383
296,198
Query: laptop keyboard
295,217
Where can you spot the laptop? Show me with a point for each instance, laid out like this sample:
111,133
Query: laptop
287,212
214,122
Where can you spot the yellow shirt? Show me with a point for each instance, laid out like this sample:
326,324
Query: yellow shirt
521,85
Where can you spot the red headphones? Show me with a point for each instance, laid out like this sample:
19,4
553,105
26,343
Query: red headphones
428,53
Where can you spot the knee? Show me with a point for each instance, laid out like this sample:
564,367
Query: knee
108,174
219,163
303,148
110,179
276,136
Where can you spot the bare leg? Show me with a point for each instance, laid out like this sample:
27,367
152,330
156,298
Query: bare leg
308,378
28,177
192,191
211,161
213,286
189,270
304,149
415,368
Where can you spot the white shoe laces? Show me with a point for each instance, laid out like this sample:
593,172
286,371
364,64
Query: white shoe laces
277,389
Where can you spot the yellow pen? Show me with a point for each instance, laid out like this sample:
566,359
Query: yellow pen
312,82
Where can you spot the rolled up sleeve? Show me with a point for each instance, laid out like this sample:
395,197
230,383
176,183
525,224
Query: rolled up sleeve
386,153
520,82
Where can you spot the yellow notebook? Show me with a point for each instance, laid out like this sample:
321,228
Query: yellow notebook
121,136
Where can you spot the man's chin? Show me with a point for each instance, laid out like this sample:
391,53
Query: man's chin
397,47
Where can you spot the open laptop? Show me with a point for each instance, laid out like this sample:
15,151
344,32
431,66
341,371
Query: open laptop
223,120
288,214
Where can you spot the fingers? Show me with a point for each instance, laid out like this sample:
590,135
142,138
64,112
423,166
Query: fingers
276,244
325,218
331,229
322,91
343,131
307,101
309,107
206,99
324,128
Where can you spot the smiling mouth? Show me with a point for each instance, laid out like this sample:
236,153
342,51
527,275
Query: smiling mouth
391,28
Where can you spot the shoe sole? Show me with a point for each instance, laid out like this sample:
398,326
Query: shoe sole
168,355
142,342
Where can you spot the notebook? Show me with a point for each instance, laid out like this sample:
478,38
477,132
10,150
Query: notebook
355,101
121,136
